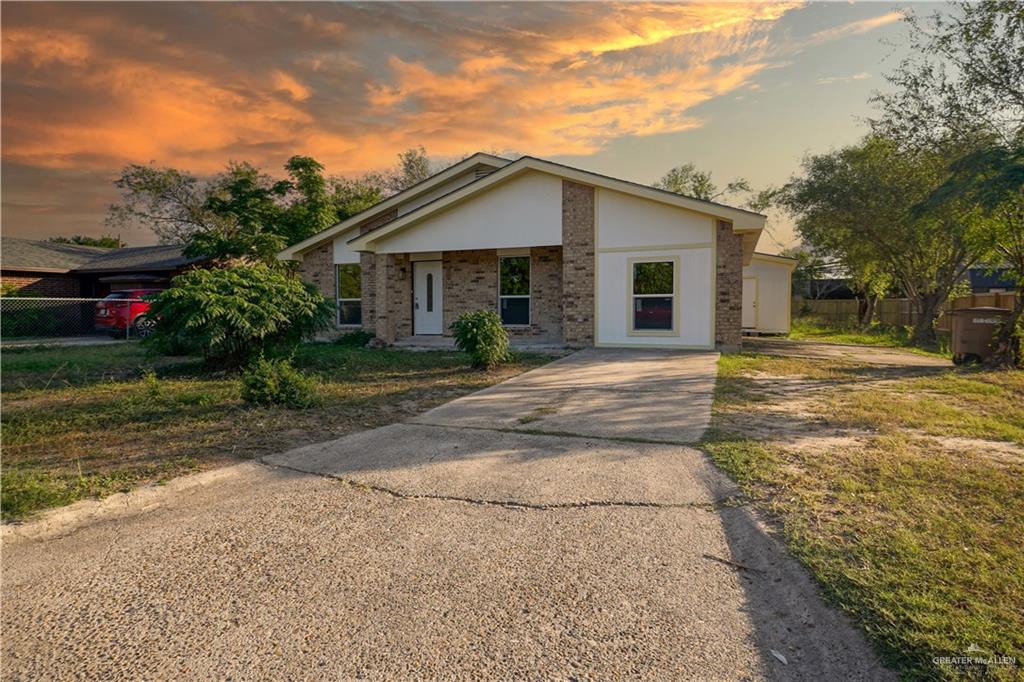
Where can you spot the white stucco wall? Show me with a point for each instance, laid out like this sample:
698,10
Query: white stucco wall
625,221
523,211
773,290
628,228
342,254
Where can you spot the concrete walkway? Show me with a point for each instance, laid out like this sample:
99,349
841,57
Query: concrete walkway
458,547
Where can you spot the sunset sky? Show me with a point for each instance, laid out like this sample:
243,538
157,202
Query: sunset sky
625,90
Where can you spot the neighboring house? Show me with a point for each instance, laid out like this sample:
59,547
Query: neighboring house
40,268
768,294
563,255
988,280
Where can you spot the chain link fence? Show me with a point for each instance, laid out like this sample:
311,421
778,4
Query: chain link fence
26,319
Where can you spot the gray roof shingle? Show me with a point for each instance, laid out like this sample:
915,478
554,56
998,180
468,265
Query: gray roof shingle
27,254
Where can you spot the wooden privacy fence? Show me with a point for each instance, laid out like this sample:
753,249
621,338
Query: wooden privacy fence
896,312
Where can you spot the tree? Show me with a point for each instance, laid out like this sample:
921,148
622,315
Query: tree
168,201
964,74
992,177
689,181
857,204
105,241
413,167
231,316
240,213
356,195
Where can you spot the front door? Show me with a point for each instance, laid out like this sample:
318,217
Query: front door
426,297
750,294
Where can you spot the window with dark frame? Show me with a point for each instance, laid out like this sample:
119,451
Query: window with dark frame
514,290
653,295
350,290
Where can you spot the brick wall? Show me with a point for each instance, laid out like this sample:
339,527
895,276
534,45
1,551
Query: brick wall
471,283
317,268
393,305
368,270
728,288
577,264
55,285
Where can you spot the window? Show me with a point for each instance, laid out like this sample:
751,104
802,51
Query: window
514,289
653,295
350,305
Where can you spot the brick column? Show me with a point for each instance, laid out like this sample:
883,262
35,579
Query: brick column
317,268
577,264
393,305
728,288
368,277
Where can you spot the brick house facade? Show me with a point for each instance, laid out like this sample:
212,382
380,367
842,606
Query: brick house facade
589,240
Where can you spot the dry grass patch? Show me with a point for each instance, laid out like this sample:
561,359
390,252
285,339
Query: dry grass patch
884,484
110,423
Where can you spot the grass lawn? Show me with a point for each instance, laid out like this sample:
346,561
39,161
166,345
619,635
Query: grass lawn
813,329
82,422
902,490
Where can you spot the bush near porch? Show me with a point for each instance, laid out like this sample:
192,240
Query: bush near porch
85,422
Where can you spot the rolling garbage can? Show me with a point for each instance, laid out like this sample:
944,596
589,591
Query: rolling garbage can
974,331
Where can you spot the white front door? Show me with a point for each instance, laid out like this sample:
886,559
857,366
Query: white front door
426,297
750,294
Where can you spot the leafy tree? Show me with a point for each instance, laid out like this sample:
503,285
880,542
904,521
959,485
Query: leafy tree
168,201
312,207
857,204
240,213
231,316
106,241
413,167
992,178
964,74
352,196
689,181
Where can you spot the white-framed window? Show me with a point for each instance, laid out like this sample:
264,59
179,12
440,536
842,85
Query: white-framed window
348,278
653,295
514,290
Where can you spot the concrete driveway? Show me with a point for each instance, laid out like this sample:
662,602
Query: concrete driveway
458,546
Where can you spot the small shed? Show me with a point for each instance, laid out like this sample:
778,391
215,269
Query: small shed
767,294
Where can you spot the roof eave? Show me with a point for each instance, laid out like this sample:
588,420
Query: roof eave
295,251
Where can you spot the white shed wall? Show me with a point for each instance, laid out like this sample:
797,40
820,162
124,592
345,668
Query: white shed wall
524,211
774,295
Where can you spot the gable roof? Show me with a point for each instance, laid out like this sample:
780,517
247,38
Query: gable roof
394,201
743,221
39,256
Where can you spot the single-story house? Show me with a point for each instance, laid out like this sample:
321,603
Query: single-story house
40,268
768,294
563,255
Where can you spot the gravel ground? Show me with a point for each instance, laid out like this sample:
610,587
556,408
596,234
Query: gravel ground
436,556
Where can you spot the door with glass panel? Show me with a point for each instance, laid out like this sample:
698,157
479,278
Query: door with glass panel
427,316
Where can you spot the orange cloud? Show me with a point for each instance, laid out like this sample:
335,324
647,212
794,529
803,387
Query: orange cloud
136,92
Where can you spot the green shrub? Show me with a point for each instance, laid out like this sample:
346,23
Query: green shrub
481,335
277,382
231,316
355,339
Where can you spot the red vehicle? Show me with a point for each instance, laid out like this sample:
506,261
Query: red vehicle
121,313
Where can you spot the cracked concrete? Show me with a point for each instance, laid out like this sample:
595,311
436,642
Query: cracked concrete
447,550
